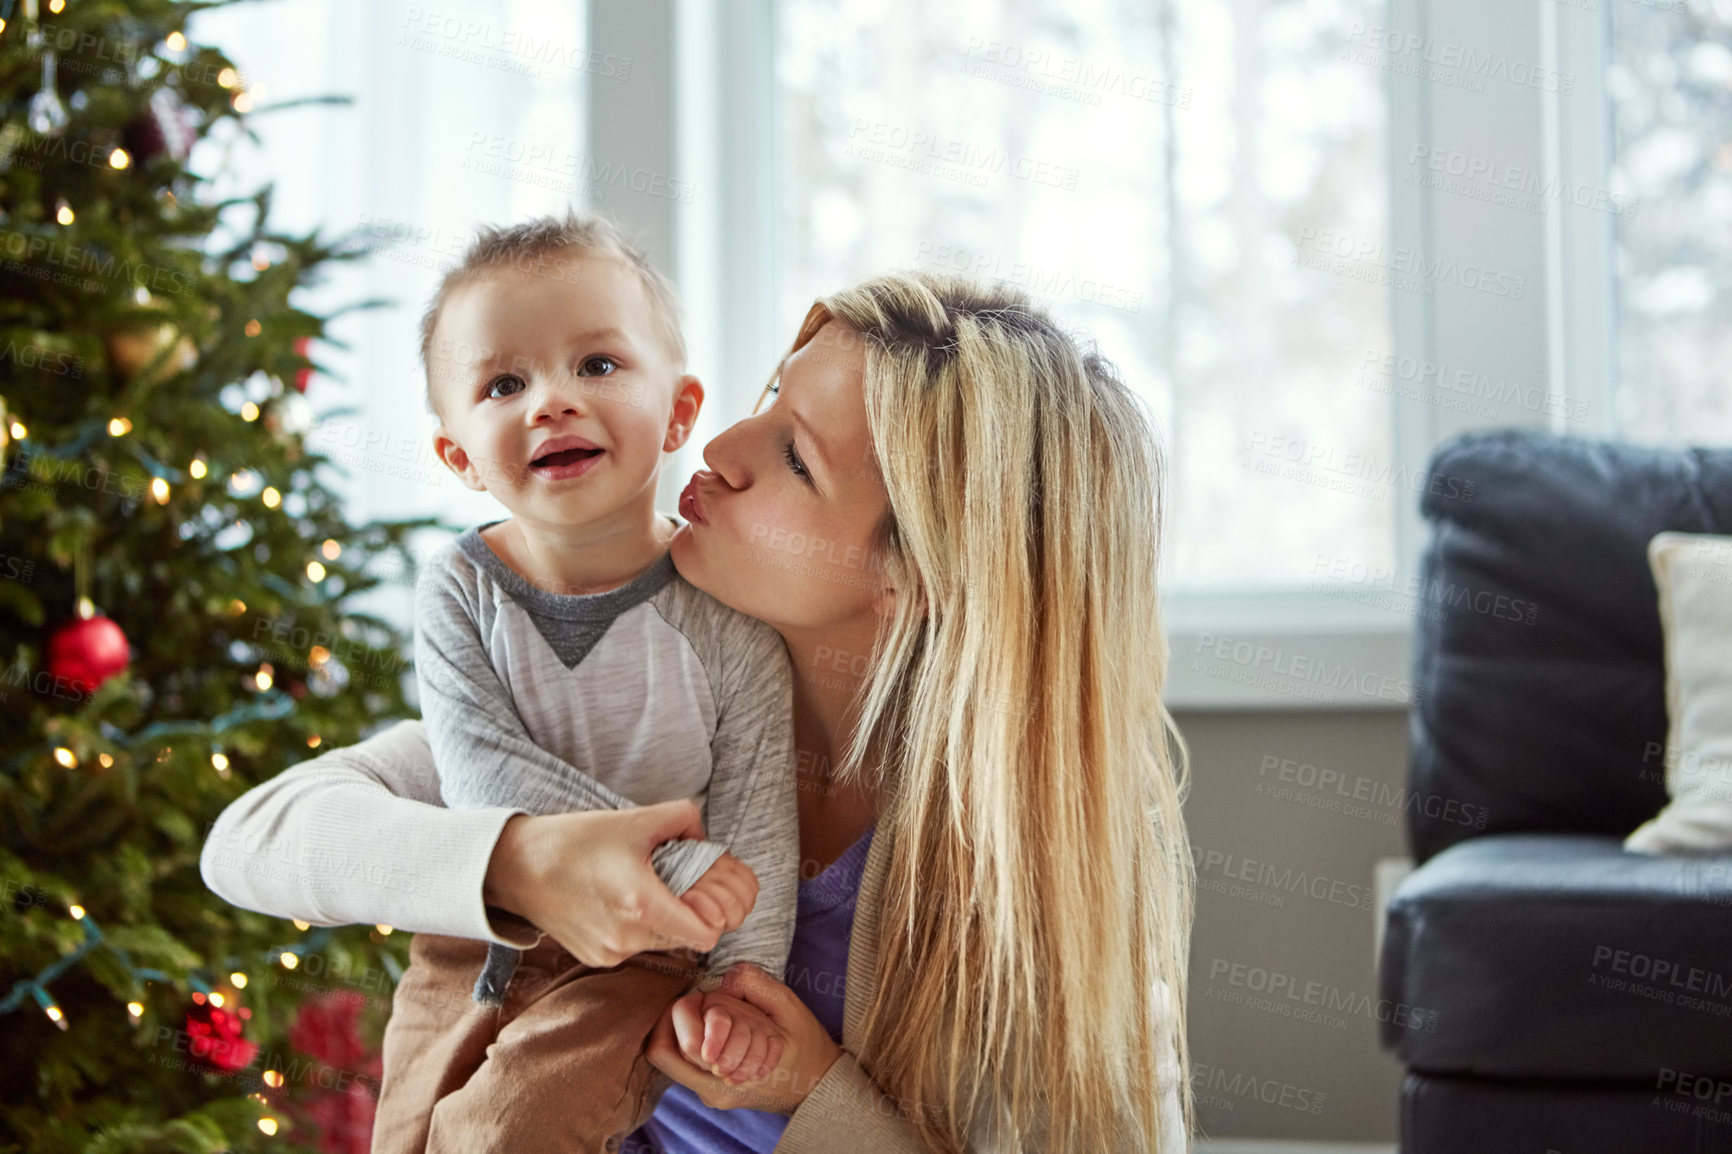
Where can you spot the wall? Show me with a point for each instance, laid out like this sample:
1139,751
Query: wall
1268,837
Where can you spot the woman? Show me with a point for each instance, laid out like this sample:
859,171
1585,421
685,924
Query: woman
952,500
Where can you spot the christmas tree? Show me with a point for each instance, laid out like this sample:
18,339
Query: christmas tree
177,613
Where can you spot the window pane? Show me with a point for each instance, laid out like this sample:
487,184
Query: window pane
1161,175
1669,80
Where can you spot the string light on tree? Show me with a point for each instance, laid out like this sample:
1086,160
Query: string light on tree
127,756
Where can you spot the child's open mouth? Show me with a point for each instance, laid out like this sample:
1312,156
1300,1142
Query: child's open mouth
565,457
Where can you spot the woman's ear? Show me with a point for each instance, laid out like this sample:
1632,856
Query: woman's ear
688,401
885,600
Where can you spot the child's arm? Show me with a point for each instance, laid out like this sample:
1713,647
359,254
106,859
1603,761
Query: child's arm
754,811
753,804
484,754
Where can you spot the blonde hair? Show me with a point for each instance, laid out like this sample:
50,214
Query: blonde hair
1039,891
528,248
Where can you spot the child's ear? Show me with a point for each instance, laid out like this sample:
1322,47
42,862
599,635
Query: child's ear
456,459
687,402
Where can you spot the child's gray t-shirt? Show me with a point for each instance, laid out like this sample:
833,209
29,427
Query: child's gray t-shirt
645,693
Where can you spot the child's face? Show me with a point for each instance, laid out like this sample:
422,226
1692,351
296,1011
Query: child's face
557,391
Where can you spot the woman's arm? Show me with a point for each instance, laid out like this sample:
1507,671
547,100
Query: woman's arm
826,1092
359,835
847,1101
817,1083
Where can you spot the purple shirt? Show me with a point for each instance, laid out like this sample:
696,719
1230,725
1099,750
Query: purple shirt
817,973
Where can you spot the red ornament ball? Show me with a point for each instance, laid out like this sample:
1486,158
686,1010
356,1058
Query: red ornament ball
215,1039
302,376
88,652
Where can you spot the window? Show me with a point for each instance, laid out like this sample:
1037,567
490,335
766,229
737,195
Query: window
1173,179
1669,83
466,114
1279,217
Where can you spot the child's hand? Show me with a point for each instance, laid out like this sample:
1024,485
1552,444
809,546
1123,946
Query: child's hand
725,894
738,1043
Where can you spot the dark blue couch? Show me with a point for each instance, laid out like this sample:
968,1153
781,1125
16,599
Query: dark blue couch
1576,998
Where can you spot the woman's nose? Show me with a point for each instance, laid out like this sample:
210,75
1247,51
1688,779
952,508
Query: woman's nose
725,457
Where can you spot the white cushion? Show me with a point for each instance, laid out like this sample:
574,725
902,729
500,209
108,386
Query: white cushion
1694,576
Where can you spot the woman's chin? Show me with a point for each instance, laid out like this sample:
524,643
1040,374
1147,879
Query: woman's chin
686,554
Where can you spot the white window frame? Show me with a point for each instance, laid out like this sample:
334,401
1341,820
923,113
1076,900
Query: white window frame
708,119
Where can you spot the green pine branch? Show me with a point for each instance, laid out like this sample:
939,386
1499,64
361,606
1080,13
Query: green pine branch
135,310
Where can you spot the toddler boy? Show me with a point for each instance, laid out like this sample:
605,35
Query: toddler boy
564,665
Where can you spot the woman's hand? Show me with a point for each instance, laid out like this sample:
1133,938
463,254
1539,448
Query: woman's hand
585,878
808,1051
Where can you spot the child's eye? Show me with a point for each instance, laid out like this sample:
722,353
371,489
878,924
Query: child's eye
504,385
598,366
794,462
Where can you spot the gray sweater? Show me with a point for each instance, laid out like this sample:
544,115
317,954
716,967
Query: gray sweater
548,703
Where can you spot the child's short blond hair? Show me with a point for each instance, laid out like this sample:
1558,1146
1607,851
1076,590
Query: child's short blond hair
524,247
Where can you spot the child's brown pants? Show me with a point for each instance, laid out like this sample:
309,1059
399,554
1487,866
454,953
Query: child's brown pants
559,1068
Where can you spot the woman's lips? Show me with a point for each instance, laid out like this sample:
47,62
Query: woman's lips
689,507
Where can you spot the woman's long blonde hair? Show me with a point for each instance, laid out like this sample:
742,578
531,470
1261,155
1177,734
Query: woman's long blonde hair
1036,916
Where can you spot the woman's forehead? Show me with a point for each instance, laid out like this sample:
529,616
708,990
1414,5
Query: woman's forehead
823,384
830,368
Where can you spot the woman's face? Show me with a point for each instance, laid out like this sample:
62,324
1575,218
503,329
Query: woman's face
780,524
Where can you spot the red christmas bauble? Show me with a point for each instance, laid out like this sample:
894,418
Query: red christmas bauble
88,652
214,1039
302,376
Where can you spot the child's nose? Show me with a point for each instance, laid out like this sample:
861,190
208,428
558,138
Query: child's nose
559,395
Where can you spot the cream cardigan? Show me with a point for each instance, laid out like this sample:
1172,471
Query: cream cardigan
360,836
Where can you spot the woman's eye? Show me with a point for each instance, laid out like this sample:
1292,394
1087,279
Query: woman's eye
598,366
504,386
794,462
